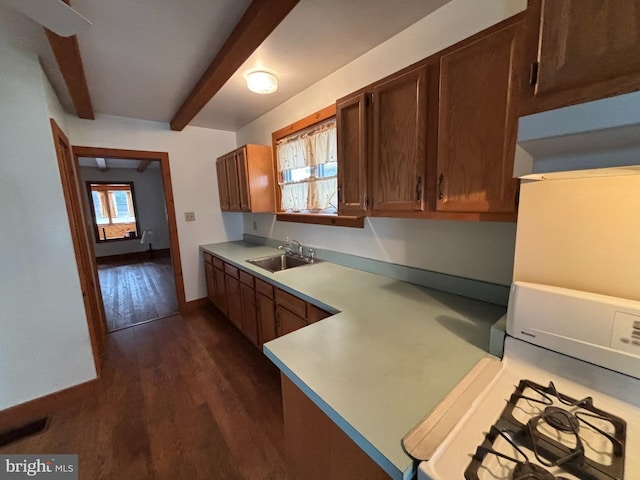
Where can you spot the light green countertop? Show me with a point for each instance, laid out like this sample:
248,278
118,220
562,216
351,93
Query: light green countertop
385,361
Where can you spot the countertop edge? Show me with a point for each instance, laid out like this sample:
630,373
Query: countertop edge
366,446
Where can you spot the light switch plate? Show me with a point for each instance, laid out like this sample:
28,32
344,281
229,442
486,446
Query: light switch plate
189,216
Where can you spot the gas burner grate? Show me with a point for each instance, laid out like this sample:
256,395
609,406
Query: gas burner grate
569,456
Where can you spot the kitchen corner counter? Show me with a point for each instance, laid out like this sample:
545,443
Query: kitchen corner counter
381,364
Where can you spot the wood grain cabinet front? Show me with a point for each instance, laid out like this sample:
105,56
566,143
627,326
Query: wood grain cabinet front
210,279
398,168
259,310
216,286
477,124
352,121
579,50
437,139
246,180
249,310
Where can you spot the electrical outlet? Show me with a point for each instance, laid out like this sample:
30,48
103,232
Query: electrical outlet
255,226
189,216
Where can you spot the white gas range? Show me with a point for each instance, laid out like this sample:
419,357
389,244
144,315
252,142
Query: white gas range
563,404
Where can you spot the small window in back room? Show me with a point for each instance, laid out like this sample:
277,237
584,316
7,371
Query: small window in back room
308,169
113,211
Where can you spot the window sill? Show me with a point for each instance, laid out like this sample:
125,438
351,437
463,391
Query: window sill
322,219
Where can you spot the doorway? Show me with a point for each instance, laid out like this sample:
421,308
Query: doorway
127,218
143,282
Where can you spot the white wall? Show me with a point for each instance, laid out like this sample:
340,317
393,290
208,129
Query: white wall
44,339
192,155
150,207
56,111
582,234
478,250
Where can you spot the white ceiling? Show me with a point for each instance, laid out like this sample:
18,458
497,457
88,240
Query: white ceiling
115,163
142,58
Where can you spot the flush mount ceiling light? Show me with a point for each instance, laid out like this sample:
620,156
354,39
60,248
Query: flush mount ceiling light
261,81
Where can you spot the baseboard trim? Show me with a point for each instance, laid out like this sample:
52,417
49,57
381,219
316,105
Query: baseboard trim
133,256
198,303
24,413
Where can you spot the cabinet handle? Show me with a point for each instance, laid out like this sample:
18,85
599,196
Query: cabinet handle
440,180
419,189
339,193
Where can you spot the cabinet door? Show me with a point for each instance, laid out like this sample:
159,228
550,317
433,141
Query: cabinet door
210,280
315,314
477,124
399,143
223,183
266,318
585,49
243,180
220,294
234,303
287,322
234,186
351,118
249,318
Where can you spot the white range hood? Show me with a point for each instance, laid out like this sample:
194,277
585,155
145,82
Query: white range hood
594,135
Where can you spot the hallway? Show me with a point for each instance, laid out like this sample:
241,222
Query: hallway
137,292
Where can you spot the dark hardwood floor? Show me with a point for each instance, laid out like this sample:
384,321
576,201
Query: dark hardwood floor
184,397
137,292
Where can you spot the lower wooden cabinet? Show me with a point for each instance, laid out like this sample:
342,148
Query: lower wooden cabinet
220,290
214,277
210,280
317,449
233,296
287,322
266,311
249,314
258,309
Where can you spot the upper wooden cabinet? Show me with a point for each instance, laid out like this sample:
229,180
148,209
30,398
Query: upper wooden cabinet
223,183
398,167
352,120
246,180
382,146
437,139
579,50
477,124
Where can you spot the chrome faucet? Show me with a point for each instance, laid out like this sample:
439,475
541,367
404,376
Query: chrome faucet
287,247
300,248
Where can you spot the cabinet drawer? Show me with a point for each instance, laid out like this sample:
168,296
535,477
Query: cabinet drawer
231,270
264,288
291,303
246,278
208,258
217,263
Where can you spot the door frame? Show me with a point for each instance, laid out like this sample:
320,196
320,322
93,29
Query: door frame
82,244
163,158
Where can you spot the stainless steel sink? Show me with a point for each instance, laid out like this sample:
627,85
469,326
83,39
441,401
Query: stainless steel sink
277,263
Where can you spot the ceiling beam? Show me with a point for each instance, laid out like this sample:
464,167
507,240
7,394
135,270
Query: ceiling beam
102,164
67,54
142,166
257,23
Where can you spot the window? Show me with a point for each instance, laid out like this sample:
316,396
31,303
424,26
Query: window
308,168
113,211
